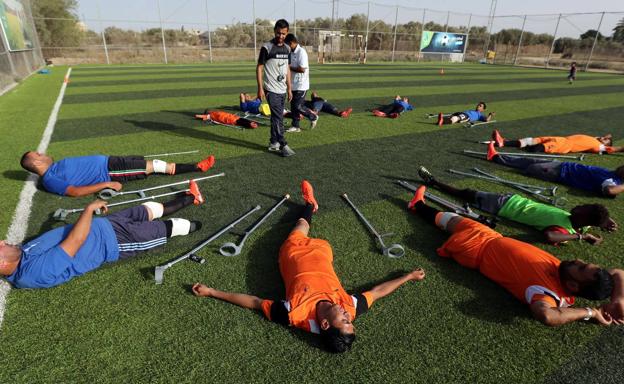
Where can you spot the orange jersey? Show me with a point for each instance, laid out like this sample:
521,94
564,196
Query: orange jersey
309,277
568,144
527,272
223,117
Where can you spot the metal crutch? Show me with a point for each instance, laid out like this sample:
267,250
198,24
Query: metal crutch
469,124
61,213
171,154
394,250
552,190
580,157
231,249
499,180
160,269
108,193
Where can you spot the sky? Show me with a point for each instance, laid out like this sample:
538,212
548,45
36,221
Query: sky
196,14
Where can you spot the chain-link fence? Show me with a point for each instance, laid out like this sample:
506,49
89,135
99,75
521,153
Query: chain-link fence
17,64
347,31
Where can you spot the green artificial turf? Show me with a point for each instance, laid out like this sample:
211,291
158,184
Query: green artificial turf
115,325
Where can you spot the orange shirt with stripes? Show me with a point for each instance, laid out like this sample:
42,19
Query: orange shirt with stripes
527,272
569,144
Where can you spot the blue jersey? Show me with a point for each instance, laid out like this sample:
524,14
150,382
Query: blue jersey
587,177
474,115
406,106
45,264
76,171
251,106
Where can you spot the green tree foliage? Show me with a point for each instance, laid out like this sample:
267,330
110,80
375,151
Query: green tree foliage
591,34
56,23
618,32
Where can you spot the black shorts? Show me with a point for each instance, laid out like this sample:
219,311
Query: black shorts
463,118
134,231
125,168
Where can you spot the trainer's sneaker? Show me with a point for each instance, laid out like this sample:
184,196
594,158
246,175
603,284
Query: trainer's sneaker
287,151
419,196
274,147
346,112
498,138
293,129
393,115
308,194
491,151
425,175
378,113
194,190
314,122
440,119
206,164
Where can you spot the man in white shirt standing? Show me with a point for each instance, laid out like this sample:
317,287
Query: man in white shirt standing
300,80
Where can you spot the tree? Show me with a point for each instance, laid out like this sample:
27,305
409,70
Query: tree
618,32
56,23
591,34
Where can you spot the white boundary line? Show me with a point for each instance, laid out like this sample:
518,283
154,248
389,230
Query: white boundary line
19,224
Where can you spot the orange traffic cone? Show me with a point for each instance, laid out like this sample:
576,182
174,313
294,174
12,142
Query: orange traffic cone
441,71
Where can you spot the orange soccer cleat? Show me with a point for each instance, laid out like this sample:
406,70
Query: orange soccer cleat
491,151
194,190
498,138
206,164
308,194
419,196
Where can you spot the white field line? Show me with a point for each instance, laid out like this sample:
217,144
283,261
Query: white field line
19,224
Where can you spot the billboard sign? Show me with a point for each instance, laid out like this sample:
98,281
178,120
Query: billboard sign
443,42
18,32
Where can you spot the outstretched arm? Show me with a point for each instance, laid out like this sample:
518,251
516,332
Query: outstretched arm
240,299
615,307
85,190
490,116
613,190
386,288
554,237
554,316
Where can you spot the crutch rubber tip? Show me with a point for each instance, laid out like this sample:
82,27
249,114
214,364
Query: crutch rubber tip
287,196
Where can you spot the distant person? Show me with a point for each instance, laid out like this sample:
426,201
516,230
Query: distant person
85,175
273,78
318,104
394,110
560,144
300,82
226,118
249,104
572,73
469,116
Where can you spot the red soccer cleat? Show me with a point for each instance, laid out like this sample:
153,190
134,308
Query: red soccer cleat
491,151
378,113
440,119
419,196
194,190
206,164
498,138
346,112
308,194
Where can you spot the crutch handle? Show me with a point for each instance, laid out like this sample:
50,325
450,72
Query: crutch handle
108,193
230,249
394,251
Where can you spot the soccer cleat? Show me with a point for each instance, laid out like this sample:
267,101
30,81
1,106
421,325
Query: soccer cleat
491,151
274,147
419,196
287,151
498,138
308,194
314,122
425,175
194,190
293,129
440,119
378,113
206,164
346,112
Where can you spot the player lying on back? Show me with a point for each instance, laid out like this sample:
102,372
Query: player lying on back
469,116
560,144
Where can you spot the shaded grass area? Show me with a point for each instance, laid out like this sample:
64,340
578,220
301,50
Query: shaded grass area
115,325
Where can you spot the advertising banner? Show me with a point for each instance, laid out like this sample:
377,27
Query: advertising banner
18,32
443,42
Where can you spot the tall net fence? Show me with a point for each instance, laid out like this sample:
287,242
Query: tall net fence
16,64
192,31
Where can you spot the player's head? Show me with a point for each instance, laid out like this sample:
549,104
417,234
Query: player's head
336,329
481,106
406,99
573,64
281,30
588,281
596,215
291,41
9,257
35,162
606,139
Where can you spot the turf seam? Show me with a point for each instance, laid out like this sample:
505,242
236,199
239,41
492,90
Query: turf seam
19,224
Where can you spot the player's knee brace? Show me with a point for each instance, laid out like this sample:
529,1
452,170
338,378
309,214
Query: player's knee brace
443,218
179,227
159,166
155,208
526,142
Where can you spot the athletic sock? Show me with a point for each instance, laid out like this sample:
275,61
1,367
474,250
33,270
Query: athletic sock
307,213
185,168
426,212
447,120
177,204
512,143
181,227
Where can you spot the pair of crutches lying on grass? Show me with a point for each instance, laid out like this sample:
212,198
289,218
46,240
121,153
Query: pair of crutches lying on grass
467,124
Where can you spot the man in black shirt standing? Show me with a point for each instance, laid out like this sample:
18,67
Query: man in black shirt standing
273,76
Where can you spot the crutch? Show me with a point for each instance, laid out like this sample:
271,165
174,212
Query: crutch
61,214
469,124
539,188
171,154
435,115
580,157
394,250
231,249
456,208
108,193
160,269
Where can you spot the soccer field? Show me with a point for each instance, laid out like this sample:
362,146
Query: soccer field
115,325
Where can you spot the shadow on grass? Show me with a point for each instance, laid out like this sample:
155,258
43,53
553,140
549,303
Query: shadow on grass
15,174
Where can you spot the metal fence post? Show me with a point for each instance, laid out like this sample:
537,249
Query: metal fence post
162,32
396,18
253,9
552,46
422,31
490,26
448,17
520,41
209,38
594,44
103,33
366,38
295,16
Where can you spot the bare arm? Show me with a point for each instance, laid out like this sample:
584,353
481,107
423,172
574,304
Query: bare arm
260,80
553,316
490,116
240,299
557,237
613,190
614,149
298,69
85,190
615,307
288,84
77,236
386,288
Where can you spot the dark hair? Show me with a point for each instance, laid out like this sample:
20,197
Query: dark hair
482,102
25,162
574,63
281,24
595,214
336,341
599,288
290,38
619,171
